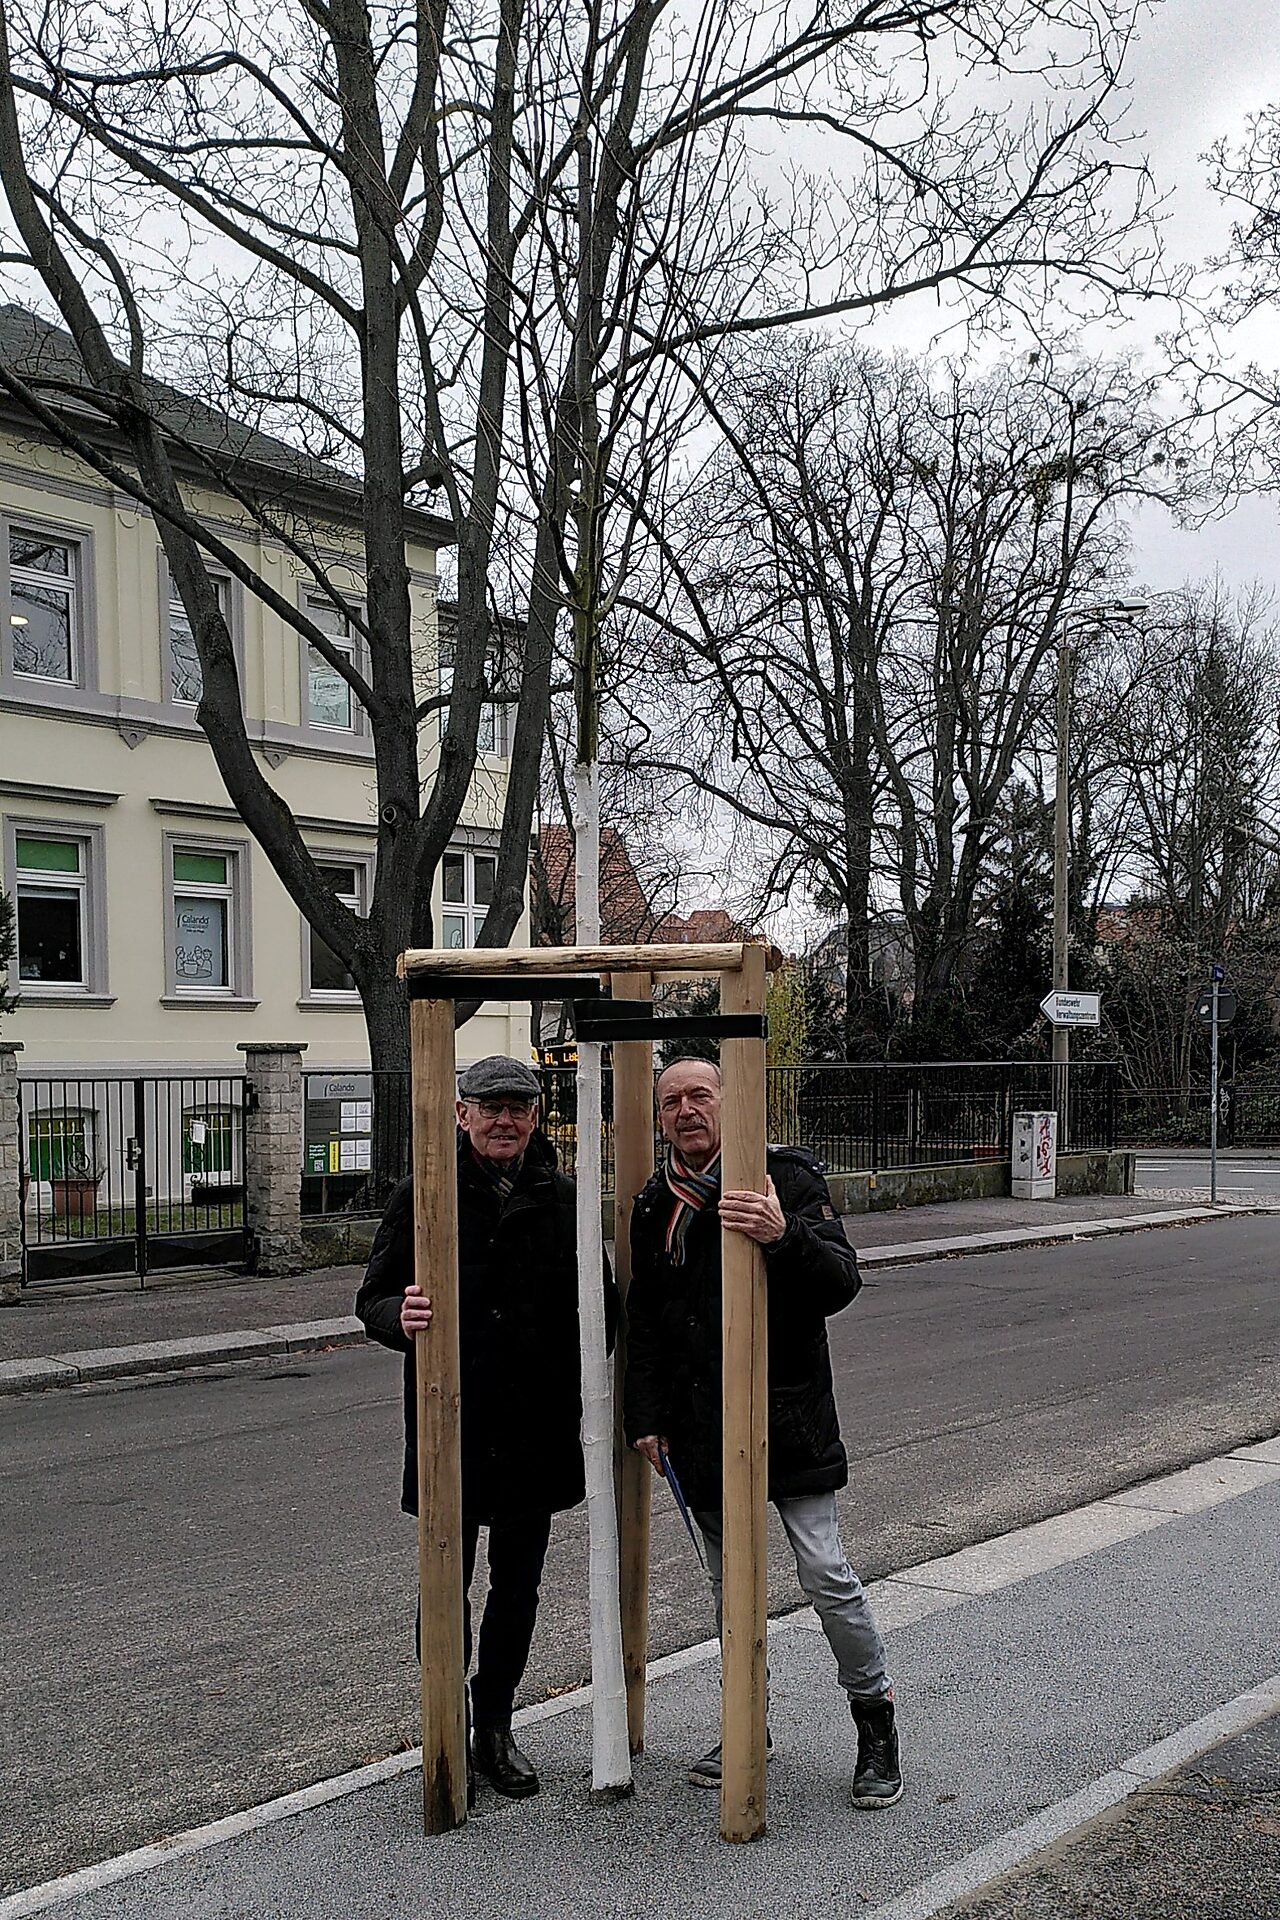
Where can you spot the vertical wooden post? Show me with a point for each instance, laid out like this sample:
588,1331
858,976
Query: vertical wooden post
435,1215
633,1163
743,1704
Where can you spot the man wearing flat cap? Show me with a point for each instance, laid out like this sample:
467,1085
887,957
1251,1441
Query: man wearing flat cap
521,1394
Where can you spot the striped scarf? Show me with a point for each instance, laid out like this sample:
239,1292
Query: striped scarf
693,1192
504,1177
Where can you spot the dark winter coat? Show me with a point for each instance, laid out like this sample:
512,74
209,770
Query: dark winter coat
518,1299
674,1328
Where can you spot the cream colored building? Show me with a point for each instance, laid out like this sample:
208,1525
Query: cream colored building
153,934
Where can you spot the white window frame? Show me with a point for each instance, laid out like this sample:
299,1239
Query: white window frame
90,883
362,865
239,988
314,602
170,601
78,585
471,912
496,716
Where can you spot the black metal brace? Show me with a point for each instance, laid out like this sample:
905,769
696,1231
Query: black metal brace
430,985
604,1019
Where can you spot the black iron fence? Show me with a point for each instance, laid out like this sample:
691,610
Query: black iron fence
1248,1115
873,1116
130,1173
862,1117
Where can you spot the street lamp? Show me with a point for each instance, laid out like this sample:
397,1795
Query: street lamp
1094,618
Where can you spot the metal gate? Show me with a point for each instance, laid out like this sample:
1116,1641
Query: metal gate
131,1174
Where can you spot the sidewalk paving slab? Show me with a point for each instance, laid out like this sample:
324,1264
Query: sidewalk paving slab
1012,1703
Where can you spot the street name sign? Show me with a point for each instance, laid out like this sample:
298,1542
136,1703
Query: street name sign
1072,1009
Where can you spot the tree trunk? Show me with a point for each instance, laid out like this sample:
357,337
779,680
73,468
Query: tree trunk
610,1747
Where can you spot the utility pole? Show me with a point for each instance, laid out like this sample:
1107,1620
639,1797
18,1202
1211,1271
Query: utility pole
1213,1090
1061,865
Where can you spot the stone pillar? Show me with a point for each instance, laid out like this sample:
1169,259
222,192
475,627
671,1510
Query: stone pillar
273,1157
10,1177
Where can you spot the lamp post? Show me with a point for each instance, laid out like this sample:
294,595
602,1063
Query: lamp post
1078,620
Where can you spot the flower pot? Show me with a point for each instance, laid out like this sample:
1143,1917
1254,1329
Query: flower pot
75,1199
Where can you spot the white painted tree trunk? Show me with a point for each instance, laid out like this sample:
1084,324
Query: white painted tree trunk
610,1751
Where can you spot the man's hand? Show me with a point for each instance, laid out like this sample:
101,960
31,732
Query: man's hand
415,1312
758,1215
653,1446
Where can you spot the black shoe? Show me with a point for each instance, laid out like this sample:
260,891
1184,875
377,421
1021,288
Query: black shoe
877,1779
706,1772
499,1760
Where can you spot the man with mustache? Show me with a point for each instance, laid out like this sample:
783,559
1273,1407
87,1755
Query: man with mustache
673,1393
521,1403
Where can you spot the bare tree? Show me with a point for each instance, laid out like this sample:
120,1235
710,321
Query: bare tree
871,581
1234,393
1198,760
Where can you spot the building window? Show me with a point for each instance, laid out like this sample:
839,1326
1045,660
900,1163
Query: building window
205,920
51,876
186,681
467,887
209,1143
43,578
492,735
329,700
326,975
60,1145
494,726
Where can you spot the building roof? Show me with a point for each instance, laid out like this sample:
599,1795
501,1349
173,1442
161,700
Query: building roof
705,925
626,915
47,359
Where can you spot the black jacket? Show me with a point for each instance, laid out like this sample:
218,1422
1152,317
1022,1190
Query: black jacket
518,1298
674,1325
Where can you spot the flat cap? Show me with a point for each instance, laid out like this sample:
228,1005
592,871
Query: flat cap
498,1073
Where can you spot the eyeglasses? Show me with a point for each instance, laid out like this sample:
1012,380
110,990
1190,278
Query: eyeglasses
494,1109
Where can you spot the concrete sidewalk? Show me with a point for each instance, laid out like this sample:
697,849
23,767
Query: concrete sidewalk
71,1335
1042,1678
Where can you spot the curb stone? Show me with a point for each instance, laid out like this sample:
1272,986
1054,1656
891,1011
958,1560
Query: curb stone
93,1364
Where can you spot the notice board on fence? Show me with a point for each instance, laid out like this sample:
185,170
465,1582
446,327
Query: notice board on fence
339,1123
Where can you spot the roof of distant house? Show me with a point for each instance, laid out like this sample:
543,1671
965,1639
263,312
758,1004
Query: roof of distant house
704,926
626,915
203,437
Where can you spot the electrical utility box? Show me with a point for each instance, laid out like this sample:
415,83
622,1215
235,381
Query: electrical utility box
1035,1156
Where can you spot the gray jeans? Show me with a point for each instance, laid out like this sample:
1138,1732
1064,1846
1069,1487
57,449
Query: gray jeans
828,1581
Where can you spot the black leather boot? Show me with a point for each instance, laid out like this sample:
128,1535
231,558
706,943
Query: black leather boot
499,1761
877,1779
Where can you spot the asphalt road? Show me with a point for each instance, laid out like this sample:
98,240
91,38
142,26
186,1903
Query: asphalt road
1237,1173
208,1593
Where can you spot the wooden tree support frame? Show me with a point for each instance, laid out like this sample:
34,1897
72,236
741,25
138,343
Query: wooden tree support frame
436,978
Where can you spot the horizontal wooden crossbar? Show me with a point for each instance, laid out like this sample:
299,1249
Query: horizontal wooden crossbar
713,957
431,983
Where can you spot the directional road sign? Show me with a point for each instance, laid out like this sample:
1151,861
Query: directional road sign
1072,1009
1228,1007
